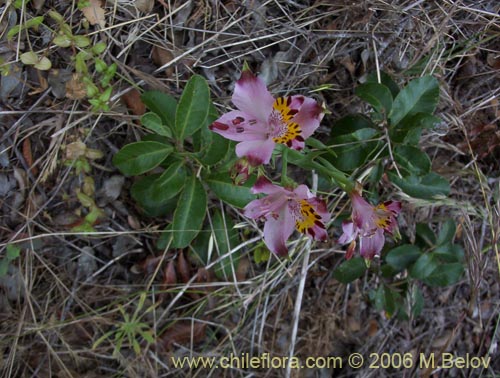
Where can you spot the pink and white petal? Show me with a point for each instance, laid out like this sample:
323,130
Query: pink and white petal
320,207
257,151
318,233
298,144
265,207
349,233
362,212
252,97
303,192
264,185
277,231
239,126
255,209
371,246
393,206
309,116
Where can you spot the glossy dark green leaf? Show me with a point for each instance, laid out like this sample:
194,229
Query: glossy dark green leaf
352,150
447,274
193,108
402,256
163,105
350,270
225,237
351,123
430,186
189,214
425,265
386,80
153,122
411,160
447,232
139,157
449,252
409,128
223,187
377,95
419,95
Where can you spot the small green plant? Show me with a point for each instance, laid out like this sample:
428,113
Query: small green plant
12,253
129,330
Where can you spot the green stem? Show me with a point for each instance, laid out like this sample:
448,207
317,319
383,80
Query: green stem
284,166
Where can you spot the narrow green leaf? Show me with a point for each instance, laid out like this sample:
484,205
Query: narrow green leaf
377,95
419,95
424,266
430,186
189,214
193,108
350,270
226,237
140,157
447,274
163,105
402,256
169,184
153,122
223,187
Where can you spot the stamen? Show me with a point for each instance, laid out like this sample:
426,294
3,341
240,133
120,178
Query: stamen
307,219
219,126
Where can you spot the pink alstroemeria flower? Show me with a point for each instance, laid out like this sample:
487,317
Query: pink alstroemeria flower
262,121
284,211
369,223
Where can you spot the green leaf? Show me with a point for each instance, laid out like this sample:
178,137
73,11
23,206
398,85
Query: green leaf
409,129
430,186
169,184
226,237
153,122
447,232
99,48
402,256
386,80
163,105
447,274
144,192
140,157
411,160
81,41
377,95
62,40
417,301
13,251
4,267
449,252
193,108
353,149
425,234
350,270
350,124
189,214
424,266
216,151
223,187
419,95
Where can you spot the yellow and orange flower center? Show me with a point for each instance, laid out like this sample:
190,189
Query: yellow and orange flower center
284,129
307,218
382,216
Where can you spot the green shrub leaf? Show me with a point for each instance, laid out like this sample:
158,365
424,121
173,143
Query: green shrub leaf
447,274
420,95
430,186
153,122
193,108
226,237
163,105
411,160
404,255
377,95
447,232
424,266
189,214
139,157
223,187
350,270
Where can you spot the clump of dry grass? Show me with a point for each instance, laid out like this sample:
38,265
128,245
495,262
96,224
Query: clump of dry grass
66,290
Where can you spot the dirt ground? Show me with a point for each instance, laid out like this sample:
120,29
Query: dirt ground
63,297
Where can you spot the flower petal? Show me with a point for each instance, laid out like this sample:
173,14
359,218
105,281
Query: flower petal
263,185
309,115
349,233
370,246
265,207
252,97
239,126
257,151
278,230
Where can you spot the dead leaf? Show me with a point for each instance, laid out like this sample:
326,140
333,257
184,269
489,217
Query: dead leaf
183,268
161,57
75,88
145,6
94,13
134,103
183,332
28,156
170,274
